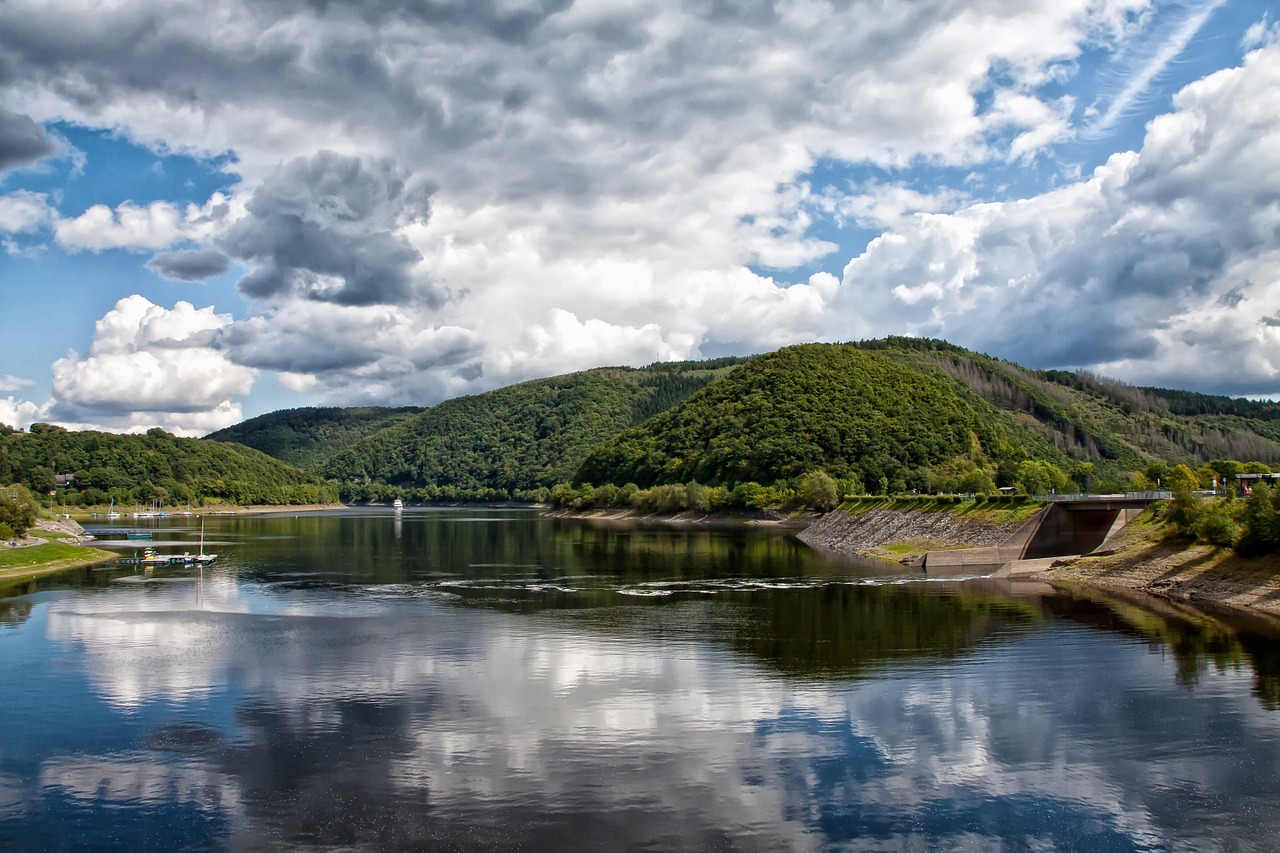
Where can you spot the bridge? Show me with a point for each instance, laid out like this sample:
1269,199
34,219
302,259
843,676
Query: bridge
1071,525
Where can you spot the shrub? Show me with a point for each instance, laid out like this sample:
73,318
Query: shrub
1215,523
1260,519
18,510
819,491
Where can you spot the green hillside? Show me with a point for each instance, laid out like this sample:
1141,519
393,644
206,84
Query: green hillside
855,414
1085,417
522,437
907,414
309,437
897,414
157,466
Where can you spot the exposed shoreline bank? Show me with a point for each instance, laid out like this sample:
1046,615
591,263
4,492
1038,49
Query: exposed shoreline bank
1138,559
691,518
1195,574
213,509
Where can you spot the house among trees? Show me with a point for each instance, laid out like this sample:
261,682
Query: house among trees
1246,482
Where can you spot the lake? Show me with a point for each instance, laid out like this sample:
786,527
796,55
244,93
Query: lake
490,679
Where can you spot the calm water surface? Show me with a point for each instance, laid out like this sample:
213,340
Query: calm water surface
472,680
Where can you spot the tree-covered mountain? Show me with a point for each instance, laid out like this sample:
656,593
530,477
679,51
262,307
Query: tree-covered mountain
309,437
902,414
892,414
1086,417
522,437
857,414
157,466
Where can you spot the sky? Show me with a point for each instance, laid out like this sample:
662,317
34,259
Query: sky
214,209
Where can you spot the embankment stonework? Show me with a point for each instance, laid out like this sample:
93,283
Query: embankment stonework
850,533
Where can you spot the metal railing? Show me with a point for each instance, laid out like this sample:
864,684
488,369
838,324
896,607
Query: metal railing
1088,496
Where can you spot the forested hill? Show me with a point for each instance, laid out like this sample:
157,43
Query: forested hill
1125,428
855,414
892,414
157,466
523,437
908,414
309,437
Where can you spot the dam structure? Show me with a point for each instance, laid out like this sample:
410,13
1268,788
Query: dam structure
1070,526
1067,526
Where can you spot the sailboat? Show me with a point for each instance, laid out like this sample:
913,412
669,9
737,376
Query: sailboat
202,558
111,511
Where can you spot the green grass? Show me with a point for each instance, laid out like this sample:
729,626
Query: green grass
52,534
35,560
995,510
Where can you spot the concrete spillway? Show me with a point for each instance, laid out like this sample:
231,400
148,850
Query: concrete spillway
1062,529
1078,527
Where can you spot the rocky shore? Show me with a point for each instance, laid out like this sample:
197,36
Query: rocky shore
1199,574
868,533
691,517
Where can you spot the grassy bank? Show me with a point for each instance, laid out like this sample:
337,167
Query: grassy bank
1000,510
56,554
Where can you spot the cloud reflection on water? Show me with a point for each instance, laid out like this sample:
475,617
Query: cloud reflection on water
378,722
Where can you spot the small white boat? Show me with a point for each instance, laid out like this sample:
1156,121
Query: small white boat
397,504
203,559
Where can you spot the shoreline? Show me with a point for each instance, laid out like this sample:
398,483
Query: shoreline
1194,574
690,518
35,557
263,509
212,509
1139,559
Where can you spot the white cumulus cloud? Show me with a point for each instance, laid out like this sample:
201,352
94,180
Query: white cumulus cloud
153,226
438,199
22,211
1161,267
152,366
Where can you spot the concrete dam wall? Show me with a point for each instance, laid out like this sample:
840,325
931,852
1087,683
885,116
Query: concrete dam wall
1066,528
851,533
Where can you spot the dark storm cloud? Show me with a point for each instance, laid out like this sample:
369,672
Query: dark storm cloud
193,265
21,140
322,227
256,343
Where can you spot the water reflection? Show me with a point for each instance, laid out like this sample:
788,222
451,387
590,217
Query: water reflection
1199,641
820,712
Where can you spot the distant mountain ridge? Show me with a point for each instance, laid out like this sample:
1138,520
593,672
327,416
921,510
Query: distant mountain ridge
308,437
522,437
1093,418
154,467
897,413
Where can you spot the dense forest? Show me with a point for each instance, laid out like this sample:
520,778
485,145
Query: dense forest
882,416
307,438
904,414
806,425
1121,427
516,440
145,469
856,414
